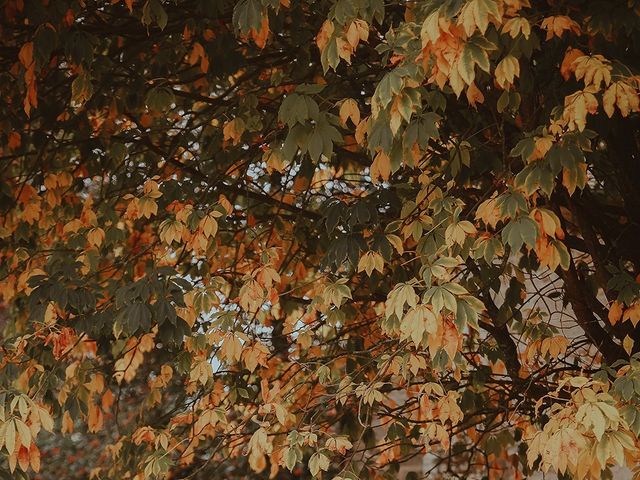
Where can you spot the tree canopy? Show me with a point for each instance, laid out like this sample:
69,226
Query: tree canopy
319,238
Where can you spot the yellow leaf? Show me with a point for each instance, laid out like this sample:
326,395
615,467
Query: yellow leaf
201,371
478,14
623,95
338,444
381,167
593,70
274,161
95,418
95,236
548,221
430,31
489,212
516,26
257,354
226,204
345,50
507,70
151,189
449,409
67,423
252,295
418,321
170,231
10,436
363,29
576,108
325,33
146,207
361,131
402,294
208,225
349,110
371,261
615,313
317,463
233,130
557,25
45,418
352,35
231,348
396,242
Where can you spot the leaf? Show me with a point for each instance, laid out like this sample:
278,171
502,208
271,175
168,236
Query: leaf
517,26
233,130
10,436
152,11
615,313
381,167
568,65
417,322
247,15
593,70
317,463
349,110
478,14
576,108
371,261
624,96
474,95
339,444
519,232
506,71
557,25
403,294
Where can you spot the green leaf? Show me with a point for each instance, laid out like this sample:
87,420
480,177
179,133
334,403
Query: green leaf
153,11
247,15
160,99
519,232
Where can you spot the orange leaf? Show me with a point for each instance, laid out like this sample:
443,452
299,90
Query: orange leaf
567,67
615,313
474,95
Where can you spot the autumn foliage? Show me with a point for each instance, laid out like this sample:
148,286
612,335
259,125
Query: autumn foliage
319,239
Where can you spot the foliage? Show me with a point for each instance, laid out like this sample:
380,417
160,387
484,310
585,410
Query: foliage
275,239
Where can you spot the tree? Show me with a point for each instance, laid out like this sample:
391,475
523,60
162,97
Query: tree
284,239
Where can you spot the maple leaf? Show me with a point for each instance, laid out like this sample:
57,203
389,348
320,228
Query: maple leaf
478,14
371,261
593,70
622,94
506,71
577,106
615,313
349,110
417,322
233,130
516,26
557,25
474,95
381,166
568,65
403,294
325,33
